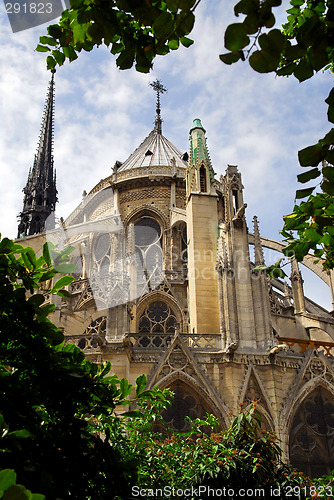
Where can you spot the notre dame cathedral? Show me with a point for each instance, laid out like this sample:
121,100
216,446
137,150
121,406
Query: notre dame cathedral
165,286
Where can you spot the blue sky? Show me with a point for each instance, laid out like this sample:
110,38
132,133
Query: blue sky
257,122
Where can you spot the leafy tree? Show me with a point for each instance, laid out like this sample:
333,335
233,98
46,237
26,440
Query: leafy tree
206,459
52,399
137,31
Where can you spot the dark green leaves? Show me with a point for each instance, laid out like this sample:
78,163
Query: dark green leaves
267,59
236,37
263,62
312,155
231,57
307,176
136,31
303,193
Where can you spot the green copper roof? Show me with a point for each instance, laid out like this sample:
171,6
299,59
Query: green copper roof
197,124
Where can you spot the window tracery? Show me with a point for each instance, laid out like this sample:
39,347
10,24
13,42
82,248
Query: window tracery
312,434
93,334
158,317
186,402
148,248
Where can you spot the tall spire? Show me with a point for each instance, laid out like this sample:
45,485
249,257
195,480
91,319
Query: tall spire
159,89
40,193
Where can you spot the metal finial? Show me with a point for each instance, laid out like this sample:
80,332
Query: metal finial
159,89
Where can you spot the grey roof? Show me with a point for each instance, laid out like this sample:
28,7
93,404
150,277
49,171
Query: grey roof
154,151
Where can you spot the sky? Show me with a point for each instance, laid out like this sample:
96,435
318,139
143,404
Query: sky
102,114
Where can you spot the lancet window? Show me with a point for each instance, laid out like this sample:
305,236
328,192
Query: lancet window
202,179
148,247
312,434
186,402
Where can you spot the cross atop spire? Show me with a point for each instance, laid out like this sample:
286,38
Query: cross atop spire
159,89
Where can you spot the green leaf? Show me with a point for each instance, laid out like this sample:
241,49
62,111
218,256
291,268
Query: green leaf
304,70
303,193
263,61
64,281
173,44
173,5
186,4
63,293
59,57
55,31
286,70
69,52
273,42
51,62
230,57
311,156
48,40
330,114
246,7
7,478
163,26
22,434
125,388
294,52
140,384
328,187
310,174
185,26
318,57
46,253
37,299
42,48
17,492
236,37
330,98
328,172
65,268
186,42
126,59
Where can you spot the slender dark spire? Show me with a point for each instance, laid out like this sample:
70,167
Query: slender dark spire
159,89
258,250
40,193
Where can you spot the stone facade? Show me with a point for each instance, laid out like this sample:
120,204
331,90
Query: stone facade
165,287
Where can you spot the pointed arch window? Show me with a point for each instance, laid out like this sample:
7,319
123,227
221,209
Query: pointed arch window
202,179
312,434
158,317
148,248
186,403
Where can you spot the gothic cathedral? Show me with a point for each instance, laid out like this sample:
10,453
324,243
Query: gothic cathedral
165,286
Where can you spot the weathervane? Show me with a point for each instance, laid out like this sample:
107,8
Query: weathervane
159,89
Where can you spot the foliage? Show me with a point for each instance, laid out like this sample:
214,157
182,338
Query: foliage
9,490
243,456
51,395
135,31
